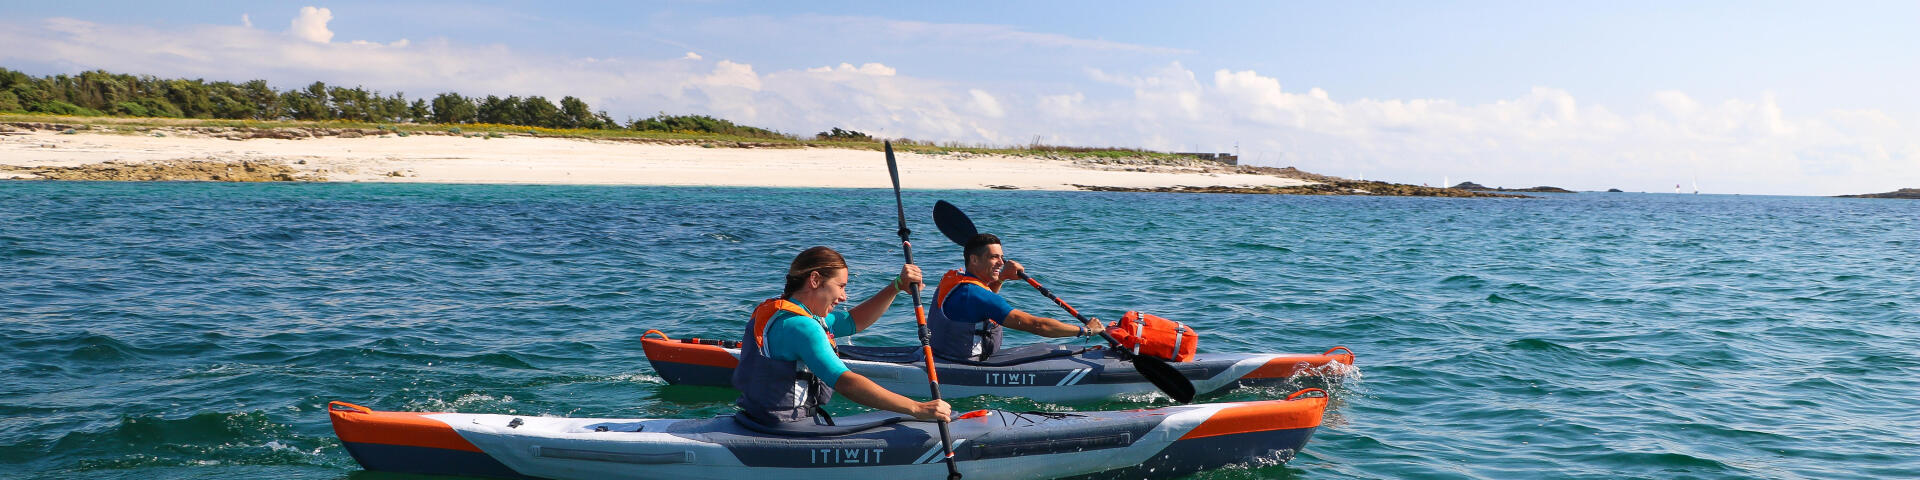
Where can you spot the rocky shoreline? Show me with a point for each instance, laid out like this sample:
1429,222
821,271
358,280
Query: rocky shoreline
1338,187
1906,193
210,170
1483,188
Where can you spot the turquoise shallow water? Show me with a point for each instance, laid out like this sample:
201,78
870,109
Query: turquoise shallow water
195,330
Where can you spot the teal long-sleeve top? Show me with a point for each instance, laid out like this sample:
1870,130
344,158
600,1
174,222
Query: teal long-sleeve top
792,337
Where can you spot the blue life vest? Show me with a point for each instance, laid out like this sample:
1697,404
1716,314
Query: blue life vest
960,340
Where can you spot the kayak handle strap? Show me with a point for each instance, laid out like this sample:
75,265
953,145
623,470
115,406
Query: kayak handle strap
1323,393
339,405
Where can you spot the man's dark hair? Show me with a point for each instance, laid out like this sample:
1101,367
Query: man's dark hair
978,244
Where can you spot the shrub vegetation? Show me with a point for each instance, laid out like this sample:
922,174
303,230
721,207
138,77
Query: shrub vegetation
98,93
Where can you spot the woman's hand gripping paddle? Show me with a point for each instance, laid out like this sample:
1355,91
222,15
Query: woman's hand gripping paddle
958,228
920,314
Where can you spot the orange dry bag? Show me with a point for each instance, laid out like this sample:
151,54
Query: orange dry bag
1153,336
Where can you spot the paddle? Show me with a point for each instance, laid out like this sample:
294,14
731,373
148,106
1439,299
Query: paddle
920,314
958,228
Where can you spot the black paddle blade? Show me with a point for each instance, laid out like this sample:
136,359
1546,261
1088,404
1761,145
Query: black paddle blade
953,223
899,205
1164,376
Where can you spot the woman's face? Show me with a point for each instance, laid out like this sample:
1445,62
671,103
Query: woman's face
825,289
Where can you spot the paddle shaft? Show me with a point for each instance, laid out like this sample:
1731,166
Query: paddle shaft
919,312
1063,304
1163,376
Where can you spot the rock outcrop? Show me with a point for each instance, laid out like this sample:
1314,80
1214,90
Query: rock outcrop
1339,187
184,169
1907,193
1484,188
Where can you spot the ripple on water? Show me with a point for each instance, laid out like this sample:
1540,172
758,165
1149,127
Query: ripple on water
92,348
236,438
1464,281
1498,299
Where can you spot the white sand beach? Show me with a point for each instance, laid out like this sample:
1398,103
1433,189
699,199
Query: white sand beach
573,161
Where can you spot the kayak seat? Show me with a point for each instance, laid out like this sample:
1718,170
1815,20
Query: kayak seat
812,429
617,427
1005,357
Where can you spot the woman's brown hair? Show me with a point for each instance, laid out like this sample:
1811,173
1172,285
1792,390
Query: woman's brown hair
816,259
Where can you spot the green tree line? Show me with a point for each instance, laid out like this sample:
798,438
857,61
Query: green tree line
99,93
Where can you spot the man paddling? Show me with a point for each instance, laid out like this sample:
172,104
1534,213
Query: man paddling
968,311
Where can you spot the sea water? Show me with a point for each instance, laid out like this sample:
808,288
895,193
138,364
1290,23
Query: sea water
197,330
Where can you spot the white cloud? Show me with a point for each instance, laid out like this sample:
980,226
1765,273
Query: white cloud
1542,136
1676,103
729,74
985,104
246,21
311,25
917,36
864,69
875,69
691,56
1061,106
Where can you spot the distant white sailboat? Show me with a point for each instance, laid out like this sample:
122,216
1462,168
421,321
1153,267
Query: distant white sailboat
1676,188
1696,186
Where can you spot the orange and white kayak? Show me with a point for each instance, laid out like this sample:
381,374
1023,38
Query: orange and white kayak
988,444
1044,373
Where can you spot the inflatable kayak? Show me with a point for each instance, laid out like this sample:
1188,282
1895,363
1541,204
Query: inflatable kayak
988,444
1045,373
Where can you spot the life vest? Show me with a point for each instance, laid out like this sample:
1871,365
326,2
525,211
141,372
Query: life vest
777,391
960,339
1153,336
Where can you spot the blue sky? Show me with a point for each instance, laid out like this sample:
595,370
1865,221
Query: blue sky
1747,97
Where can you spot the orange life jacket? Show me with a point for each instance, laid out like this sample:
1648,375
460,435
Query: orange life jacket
763,314
952,279
958,339
1154,336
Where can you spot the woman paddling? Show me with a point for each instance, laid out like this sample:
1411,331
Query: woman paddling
788,368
